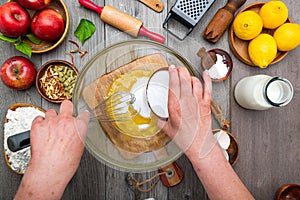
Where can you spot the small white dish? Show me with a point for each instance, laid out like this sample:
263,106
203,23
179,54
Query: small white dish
158,92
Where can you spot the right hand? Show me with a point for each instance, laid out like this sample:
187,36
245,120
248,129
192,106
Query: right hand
189,122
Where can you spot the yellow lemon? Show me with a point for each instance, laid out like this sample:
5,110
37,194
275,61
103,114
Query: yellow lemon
273,14
247,25
287,36
262,50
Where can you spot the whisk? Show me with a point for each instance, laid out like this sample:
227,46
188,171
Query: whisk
117,107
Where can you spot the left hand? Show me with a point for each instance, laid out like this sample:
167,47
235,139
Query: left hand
57,144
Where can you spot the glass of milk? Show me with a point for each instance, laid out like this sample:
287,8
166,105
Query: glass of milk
261,92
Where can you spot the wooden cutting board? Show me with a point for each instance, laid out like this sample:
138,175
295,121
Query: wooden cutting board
96,91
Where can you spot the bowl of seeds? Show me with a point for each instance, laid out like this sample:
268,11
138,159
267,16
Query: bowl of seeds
55,80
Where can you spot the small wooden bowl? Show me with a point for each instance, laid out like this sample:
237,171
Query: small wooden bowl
14,107
228,60
41,73
43,47
289,191
233,149
240,47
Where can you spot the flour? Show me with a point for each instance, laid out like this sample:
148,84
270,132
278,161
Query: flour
218,70
19,121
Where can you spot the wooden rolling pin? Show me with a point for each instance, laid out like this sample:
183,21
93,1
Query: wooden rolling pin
122,21
222,19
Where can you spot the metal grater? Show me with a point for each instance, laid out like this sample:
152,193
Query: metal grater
187,13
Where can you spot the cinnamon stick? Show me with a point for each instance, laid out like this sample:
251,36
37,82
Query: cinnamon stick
219,115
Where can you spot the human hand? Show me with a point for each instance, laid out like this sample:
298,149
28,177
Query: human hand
189,125
56,149
189,122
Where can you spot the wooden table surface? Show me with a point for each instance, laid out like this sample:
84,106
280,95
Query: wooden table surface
269,140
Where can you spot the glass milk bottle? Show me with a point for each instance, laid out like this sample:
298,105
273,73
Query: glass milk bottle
261,92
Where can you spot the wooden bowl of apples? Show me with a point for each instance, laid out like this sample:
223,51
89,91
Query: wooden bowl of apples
44,34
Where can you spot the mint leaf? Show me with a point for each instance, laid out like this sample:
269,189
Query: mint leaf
33,38
24,48
8,39
84,30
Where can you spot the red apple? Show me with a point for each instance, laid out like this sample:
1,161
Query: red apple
18,73
34,4
48,25
14,19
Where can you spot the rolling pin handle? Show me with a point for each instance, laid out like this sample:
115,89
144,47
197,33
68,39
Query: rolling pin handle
153,36
90,5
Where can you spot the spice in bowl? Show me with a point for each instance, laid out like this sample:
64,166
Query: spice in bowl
218,63
56,82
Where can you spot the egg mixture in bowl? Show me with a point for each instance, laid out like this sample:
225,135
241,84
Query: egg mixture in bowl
143,123
130,145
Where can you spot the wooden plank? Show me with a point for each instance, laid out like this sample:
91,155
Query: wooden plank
9,181
191,187
88,181
269,140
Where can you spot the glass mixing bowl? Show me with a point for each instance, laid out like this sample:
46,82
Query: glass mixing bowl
98,142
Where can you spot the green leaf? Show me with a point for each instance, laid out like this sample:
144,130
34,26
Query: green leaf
8,39
24,48
33,38
19,44
84,30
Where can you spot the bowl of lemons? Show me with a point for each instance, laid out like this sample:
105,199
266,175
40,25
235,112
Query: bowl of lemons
262,34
